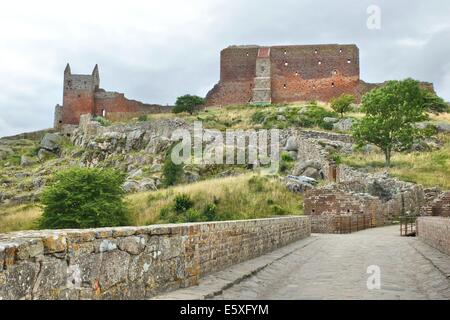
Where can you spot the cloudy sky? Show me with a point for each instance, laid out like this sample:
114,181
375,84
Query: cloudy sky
155,51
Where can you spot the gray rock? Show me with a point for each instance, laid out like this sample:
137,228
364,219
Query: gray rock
114,268
51,142
135,174
280,117
442,127
26,161
132,245
312,173
130,186
44,155
343,125
146,185
291,144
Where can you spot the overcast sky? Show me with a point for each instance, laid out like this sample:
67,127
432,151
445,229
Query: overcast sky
154,51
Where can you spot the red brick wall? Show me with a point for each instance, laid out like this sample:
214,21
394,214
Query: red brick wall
303,78
75,104
295,71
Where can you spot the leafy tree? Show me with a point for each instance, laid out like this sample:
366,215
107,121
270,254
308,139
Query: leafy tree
187,103
391,112
84,198
342,104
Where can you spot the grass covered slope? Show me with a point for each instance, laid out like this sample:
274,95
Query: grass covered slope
429,168
232,198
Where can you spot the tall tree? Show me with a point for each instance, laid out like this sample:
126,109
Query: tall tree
391,112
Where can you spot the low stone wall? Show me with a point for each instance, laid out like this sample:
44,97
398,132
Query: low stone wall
435,231
133,262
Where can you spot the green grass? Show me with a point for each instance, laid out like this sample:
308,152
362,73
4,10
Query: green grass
427,168
246,196
235,198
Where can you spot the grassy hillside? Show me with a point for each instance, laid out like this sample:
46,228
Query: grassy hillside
241,197
431,169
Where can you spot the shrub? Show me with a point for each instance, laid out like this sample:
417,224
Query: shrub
84,198
187,103
182,203
143,118
210,212
342,104
103,122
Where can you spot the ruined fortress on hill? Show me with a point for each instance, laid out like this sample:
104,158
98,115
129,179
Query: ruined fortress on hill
248,75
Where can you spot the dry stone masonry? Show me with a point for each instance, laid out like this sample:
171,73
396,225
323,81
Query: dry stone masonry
133,262
435,231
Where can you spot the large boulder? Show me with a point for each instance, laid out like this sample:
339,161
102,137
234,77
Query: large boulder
312,173
51,142
291,144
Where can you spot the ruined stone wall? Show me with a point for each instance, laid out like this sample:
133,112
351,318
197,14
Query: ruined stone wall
133,262
440,206
116,107
340,223
435,231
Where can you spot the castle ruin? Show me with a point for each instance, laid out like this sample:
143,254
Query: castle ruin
279,74
83,95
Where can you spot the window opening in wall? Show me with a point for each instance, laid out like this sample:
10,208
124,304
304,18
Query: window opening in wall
247,54
335,72
349,61
332,84
340,50
296,74
315,51
285,52
284,86
103,113
319,63
79,96
314,86
286,63
60,121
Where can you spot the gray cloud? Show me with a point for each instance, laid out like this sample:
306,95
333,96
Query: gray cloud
156,51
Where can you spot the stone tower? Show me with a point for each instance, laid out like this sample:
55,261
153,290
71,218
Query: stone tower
79,95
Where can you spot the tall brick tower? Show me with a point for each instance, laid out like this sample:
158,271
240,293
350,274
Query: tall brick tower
79,95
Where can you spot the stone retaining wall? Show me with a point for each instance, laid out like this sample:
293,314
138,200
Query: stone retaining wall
133,262
435,231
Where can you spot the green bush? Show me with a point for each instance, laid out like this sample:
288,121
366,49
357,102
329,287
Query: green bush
103,122
84,198
187,103
182,203
342,104
143,118
210,212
